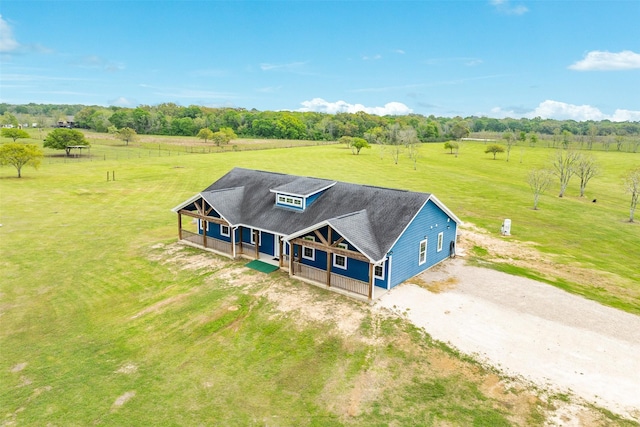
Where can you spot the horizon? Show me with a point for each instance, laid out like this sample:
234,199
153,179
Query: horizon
486,58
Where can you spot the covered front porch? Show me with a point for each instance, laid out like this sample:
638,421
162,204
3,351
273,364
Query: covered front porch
325,259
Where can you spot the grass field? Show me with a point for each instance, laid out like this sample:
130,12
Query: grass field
102,324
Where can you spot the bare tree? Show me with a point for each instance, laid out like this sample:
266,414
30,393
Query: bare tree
539,180
510,141
632,186
564,167
586,168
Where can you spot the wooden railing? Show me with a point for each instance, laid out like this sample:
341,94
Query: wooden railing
337,281
349,284
212,243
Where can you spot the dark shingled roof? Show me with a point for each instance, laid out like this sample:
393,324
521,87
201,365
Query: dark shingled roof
370,218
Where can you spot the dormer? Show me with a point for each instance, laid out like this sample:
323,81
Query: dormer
300,193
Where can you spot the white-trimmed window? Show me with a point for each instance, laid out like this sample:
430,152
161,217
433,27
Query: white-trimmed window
378,271
440,240
253,237
307,252
290,201
422,258
340,261
224,230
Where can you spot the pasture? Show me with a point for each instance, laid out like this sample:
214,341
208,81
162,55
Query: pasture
106,321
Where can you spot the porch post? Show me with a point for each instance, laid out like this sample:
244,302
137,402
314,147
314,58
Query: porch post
370,281
240,238
280,251
232,231
204,232
329,257
256,233
292,250
179,226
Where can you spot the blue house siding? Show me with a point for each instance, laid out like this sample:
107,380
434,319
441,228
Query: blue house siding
428,223
356,269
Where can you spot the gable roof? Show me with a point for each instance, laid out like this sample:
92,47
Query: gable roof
370,218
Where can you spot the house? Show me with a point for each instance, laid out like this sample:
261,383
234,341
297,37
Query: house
68,122
346,237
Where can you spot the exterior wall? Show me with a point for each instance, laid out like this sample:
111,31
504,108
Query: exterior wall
356,269
267,240
429,222
313,198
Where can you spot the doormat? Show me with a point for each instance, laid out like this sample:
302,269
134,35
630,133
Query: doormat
256,264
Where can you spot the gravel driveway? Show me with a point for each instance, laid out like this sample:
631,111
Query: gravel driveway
530,329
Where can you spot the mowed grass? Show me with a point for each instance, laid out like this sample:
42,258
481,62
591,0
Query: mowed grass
99,327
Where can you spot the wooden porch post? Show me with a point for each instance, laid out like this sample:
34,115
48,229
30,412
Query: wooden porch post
280,251
179,226
292,250
256,233
204,232
329,257
240,234
370,281
232,232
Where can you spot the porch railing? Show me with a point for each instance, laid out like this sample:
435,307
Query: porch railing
337,281
212,243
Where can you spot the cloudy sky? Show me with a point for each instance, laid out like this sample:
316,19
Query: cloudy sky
564,59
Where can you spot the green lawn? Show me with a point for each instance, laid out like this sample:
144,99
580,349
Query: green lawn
93,308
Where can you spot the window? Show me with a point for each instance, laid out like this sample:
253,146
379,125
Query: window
378,271
423,252
290,201
309,253
440,239
340,261
253,237
224,230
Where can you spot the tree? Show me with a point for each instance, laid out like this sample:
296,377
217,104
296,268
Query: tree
358,144
539,180
62,139
14,133
533,140
566,138
451,145
495,149
346,140
564,167
510,141
632,186
126,135
586,168
460,130
229,132
19,155
205,133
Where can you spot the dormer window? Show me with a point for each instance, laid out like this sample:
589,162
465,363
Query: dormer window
292,201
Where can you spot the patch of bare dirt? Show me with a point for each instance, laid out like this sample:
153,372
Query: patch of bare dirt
124,398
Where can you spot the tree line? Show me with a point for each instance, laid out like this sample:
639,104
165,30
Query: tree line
173,119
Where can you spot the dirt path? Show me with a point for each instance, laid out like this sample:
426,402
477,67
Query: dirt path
530,329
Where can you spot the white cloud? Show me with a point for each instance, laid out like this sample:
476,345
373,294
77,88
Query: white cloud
505,6
7,42
550,109
321,106
399,51
371,58
96,62
121,102
605,61
291,66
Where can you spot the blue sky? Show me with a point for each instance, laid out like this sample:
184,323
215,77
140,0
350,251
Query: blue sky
497,58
